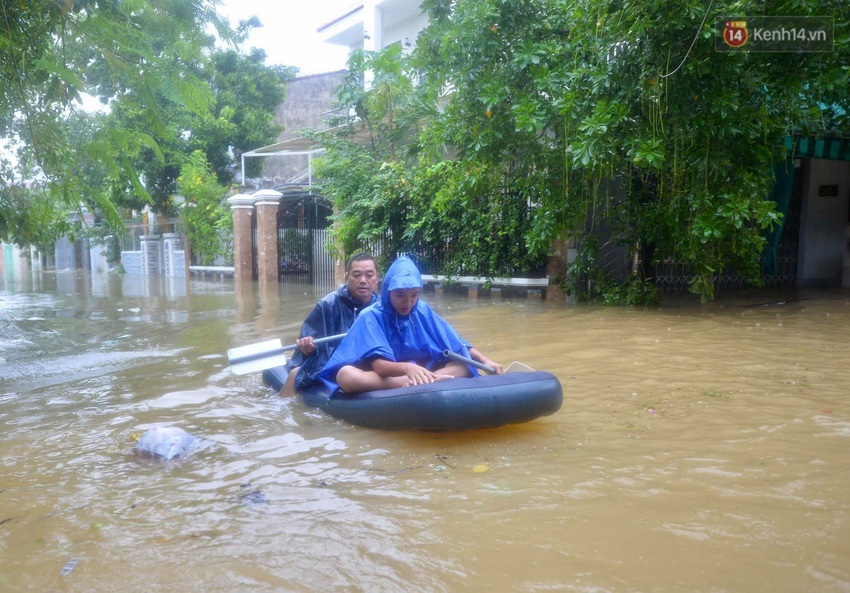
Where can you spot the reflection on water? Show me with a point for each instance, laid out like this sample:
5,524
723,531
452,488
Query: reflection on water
700,448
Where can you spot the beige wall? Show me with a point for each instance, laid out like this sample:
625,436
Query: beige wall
307,99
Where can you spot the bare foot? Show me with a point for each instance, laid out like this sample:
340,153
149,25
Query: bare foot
396,382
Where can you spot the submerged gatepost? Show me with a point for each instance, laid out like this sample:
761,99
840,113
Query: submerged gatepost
266,202
151,246
242,206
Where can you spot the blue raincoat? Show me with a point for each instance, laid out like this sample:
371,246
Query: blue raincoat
332,315
379,332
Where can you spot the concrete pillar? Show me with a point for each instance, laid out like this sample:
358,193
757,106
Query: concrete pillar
170,250
268,313
563,254
372,27
242,206
476,291
246,302
266,202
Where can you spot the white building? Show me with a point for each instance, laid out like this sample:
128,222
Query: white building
376,24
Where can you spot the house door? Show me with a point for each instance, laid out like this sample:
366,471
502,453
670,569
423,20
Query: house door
824,218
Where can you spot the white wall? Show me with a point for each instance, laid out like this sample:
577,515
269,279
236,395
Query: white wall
378,24
404,31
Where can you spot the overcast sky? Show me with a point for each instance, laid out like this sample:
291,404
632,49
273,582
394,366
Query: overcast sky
288,35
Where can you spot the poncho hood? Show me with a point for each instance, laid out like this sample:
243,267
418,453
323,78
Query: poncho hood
402,274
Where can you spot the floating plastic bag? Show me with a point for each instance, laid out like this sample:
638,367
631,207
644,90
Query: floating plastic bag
165,443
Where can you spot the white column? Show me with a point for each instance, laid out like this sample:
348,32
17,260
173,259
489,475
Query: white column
372,34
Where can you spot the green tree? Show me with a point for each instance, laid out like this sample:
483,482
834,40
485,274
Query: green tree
573,94
27,217
51,53
205,216
399,191
358,175
247,93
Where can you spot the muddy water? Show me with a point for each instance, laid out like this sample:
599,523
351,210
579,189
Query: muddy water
699,448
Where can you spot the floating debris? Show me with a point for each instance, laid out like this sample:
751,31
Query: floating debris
252,498
165,443
444,459
69,567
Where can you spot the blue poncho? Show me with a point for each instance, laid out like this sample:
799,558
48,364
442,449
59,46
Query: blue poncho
379,332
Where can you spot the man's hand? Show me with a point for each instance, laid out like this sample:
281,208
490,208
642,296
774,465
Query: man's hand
306,345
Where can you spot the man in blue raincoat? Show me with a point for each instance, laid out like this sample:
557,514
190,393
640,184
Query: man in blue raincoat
399,341
332,315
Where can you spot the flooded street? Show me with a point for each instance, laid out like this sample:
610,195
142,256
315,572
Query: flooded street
699,448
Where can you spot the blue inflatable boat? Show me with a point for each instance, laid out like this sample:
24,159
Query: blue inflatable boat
487,401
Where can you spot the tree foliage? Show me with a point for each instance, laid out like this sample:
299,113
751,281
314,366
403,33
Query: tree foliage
611,120
205,216
51,53
632,91
246,94
167,88
399,193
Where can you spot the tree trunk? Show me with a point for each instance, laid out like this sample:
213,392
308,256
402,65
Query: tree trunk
556,270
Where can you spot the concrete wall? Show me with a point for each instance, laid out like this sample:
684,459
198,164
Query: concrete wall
65,254
159,256
822,223
99,262
307,100
132,262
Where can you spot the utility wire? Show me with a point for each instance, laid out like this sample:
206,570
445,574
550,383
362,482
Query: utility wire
705,16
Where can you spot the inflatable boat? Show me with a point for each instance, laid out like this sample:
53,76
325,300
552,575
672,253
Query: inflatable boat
487,401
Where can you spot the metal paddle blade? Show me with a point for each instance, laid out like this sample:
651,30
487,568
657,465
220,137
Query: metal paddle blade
265,355
256,357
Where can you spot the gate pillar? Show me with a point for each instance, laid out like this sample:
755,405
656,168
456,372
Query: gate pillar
266,202
242,206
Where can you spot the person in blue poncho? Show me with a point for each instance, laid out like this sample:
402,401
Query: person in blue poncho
332,315
399,341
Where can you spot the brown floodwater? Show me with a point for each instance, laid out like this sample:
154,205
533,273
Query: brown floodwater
699,448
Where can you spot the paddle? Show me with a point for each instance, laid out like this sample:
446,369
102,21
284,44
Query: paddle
472,362
264,355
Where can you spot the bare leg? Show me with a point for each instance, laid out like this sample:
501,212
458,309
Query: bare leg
453,368
288,389
354,380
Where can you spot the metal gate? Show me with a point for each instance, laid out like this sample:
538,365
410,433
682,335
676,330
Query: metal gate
302,230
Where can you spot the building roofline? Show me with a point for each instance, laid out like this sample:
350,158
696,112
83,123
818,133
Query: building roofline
318,74
343,16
